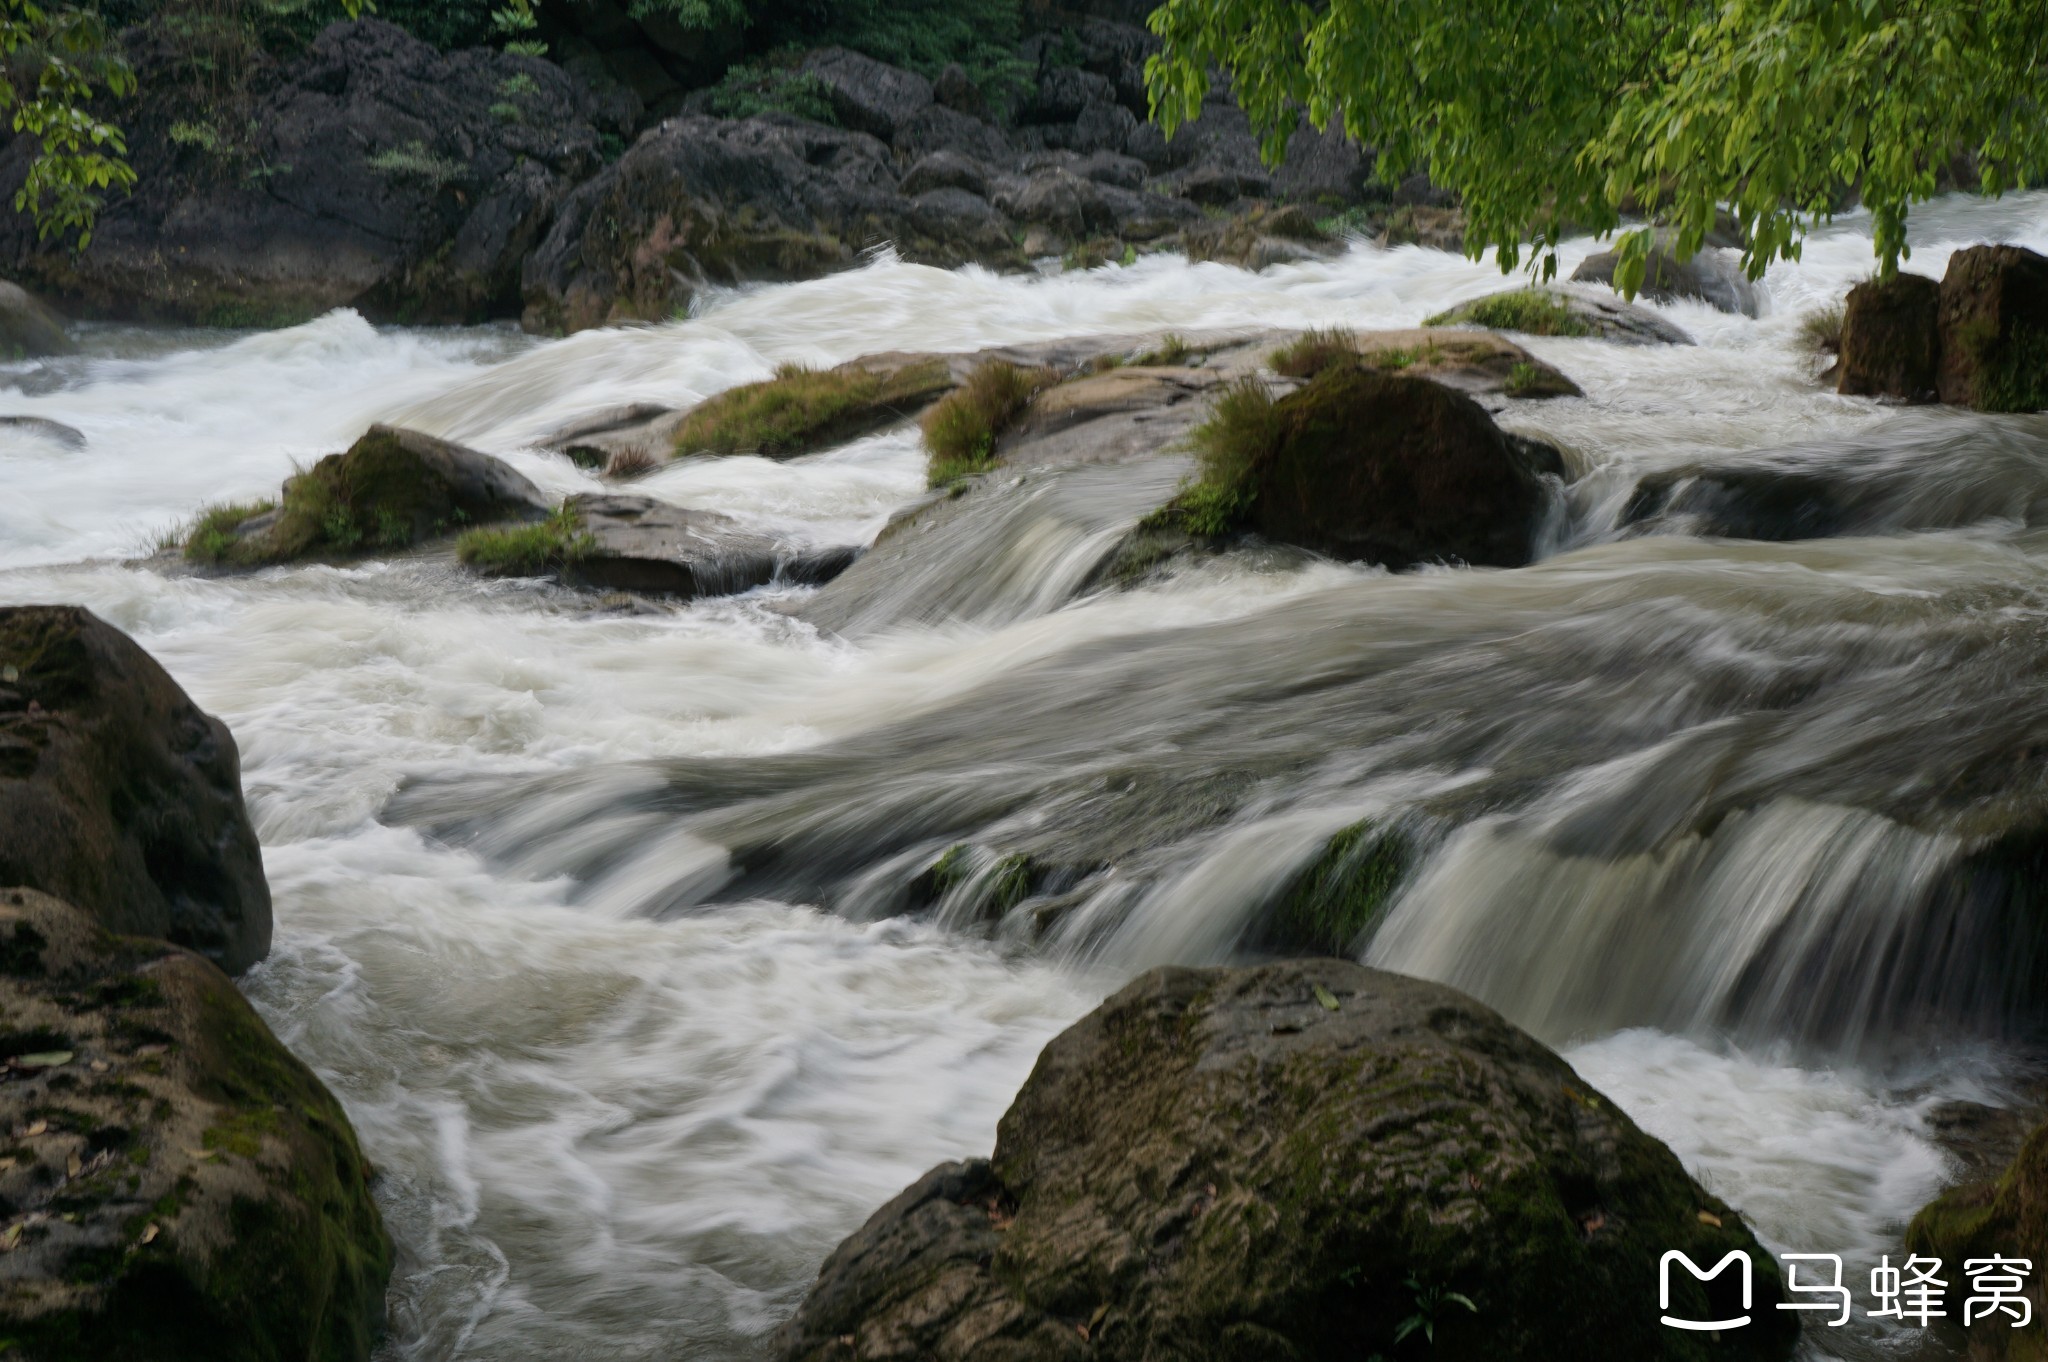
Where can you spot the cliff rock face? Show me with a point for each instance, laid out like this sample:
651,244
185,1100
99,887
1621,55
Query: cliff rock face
118,794
1290,1162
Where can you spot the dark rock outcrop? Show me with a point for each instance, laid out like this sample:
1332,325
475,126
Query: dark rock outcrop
28,328
118,794
2005,1216
1994,329
376,173
866,95
178,1187
1288,1162
652,547
1891,343
1710,276
1384,468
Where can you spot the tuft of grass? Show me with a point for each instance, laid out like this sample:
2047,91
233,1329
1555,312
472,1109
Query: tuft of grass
1241,430
1314,351
1821,332
527,550
630,462
961,429
1532,311
1173,350
211,539
803,409
413,160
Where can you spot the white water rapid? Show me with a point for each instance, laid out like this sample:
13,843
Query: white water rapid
624,1102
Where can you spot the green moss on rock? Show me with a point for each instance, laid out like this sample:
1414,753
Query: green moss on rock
801,410
961,429
1333,904
1532,311
527,550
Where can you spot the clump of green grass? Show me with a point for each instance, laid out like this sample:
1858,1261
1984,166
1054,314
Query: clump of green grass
1314,351
1532,311
1241,430
1172,351
527,550
413,160
1533,380
961,429
211,539
802,409
1821,332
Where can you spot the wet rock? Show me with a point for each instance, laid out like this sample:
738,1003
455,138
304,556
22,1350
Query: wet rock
2005,1216
1994,329
1259,237
391,489
1891,339
177,1186
1711,276
946,170
1477,363
1285,1162
29,328
375,173
56,432
1564,312
1384,468
118,794
940,128
867,95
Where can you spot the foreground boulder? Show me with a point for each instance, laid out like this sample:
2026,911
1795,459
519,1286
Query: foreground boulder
392,488
177,1187
1891,344
2005,1216
1289,1162
1710,276
1994,329
118,794
370,172
28,328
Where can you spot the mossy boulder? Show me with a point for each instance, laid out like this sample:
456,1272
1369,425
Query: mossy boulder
1563,312
2007,1216
1891,339
1994,329
1379,467
118,794
176,1186
393,488
802,410
1288,1162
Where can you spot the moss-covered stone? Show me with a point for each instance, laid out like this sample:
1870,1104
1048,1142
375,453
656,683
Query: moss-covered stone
1891,339
1287,1162
2007,1216
1332,906
1533,311
181,1188
526,550
392,488
801,410
1994,329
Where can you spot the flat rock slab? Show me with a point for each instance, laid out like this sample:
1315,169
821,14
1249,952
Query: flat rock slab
1603,315
643,545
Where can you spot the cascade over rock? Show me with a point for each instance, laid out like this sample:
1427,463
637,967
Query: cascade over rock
1286,1162
118,794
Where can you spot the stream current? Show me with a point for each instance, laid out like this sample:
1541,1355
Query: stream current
1691,809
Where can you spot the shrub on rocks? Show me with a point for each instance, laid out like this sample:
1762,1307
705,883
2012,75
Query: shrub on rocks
1293,1161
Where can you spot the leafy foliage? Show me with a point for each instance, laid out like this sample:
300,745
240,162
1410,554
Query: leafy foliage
71,58
1558,120
749,88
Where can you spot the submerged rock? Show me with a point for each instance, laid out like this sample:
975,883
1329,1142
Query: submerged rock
2005,1216
1994,329
1289,1162
1891,341
118,794
1564,312
391,489
1710,276
29,329
56,432
178,1187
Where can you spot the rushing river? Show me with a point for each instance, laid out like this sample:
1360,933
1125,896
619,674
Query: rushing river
625,1098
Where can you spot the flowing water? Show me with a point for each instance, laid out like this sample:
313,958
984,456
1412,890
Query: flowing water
591,916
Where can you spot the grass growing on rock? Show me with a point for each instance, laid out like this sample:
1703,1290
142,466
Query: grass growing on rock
527,550
801,409
961,429
1532,311
1314,351
1340,897
1821,332
1241,429
212,540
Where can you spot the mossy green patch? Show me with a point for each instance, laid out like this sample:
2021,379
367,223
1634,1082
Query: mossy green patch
1532,311
212,538
2012,375
1334,903
527,550
1241,430
961,429
800,409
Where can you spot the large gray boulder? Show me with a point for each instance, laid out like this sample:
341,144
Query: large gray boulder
375,173
120,795
29,329
1712,275
1288,1162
